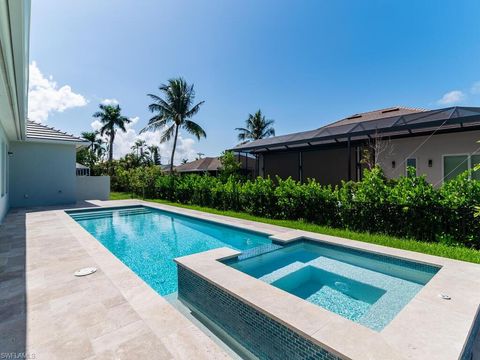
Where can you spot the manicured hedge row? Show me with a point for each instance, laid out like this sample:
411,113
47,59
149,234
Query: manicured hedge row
407,207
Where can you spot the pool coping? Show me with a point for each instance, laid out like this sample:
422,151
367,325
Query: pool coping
427,327
180,337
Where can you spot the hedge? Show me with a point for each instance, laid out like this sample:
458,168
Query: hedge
406,207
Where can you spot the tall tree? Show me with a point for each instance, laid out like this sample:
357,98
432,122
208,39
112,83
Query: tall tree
139,146
112,119
256,127
155,154
96,142
94,152
174,110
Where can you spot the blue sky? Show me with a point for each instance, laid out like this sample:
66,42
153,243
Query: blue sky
304,63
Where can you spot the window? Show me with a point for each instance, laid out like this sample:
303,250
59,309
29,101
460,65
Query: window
411,163
453,165
474,161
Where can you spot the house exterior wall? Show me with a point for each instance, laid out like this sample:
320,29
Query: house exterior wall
327,166
4,169
283,164
434,148
42,174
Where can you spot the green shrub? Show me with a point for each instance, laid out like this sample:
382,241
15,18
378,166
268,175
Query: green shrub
407,207
258,197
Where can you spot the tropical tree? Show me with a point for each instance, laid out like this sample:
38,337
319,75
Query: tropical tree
256,127
96,142
93,153
139,146
155,154
112,119
174,110
230,166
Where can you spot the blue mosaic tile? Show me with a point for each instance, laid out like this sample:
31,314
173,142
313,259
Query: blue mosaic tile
264,337
259,250
467,353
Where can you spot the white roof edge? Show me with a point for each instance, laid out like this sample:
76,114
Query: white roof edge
78,143
15,50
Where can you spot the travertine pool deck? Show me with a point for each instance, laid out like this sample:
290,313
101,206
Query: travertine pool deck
428,327
48,313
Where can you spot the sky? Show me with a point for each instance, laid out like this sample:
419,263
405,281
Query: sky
304,63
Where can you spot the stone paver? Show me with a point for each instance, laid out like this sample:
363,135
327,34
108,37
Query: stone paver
113,314
48,313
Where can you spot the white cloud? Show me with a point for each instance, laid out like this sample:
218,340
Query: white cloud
45,97
452,97
475,89
110,102
125,140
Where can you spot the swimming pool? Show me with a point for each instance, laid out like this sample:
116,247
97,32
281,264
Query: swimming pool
147,239
367,288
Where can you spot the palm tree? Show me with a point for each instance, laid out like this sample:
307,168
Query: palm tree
154,153
174,110
139,147
257,127
96,143
111,118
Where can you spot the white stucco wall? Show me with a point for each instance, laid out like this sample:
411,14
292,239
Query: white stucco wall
42,174
433,149
4,200
93,187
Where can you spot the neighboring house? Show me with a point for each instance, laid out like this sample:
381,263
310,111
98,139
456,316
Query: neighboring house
82,170
213,165
440,144
37,162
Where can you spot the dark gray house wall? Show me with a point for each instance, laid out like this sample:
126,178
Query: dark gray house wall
325,165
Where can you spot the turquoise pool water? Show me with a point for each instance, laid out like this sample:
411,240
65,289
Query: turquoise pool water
367,288
147,240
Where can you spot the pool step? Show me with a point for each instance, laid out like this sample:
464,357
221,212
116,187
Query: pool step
109,213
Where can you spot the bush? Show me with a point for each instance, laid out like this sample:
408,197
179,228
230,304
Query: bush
407,207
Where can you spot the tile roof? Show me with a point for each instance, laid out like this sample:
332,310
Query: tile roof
36,131
205,164
212,164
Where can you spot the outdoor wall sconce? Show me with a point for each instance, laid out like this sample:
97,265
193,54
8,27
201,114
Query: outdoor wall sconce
430,162
393,164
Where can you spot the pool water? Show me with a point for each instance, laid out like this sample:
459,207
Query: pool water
147,240
364,287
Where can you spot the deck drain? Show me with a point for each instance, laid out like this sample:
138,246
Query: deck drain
85,271
444,297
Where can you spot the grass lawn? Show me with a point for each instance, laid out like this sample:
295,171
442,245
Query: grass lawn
453,252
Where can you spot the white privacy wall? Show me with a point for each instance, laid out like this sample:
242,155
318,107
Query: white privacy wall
42,174
93,187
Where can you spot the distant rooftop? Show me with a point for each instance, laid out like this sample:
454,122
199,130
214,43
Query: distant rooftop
36,131
200,165
394,121
211,164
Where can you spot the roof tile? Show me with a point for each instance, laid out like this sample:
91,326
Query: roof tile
36,131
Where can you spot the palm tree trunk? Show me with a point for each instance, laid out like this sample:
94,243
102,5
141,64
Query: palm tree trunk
173,150
110,152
